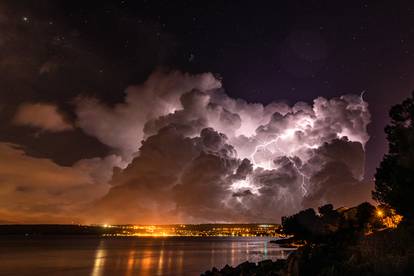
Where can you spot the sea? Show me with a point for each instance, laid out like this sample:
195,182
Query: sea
84,255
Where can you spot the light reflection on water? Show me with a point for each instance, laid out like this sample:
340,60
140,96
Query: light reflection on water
99,262
129,256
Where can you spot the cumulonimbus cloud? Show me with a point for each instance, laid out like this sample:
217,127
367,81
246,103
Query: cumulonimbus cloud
195,154
184,151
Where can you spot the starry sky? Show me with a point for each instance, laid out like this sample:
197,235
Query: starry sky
261,51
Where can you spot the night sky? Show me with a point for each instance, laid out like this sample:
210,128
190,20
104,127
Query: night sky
57,52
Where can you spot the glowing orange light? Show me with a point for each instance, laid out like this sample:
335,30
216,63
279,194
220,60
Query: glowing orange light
380,213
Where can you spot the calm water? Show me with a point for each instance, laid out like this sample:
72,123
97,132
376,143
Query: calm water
129,256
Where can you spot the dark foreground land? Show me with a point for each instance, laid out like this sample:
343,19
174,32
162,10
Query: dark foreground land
362,240
388,252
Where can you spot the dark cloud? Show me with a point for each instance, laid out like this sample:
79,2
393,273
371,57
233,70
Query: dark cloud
339,175
336,183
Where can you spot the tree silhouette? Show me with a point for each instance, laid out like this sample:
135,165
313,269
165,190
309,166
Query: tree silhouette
305,225
394,179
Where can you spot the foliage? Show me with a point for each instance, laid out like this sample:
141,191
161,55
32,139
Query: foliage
326,209
365,215
388,217
389,252
394,179
351,243
305,225
330,225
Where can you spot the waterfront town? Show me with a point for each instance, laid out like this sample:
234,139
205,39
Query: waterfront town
195,230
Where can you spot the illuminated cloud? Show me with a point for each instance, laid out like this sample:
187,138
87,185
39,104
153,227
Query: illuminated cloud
184,151
121,127
198,155
43,116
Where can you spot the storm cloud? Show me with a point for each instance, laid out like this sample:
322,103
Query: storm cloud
182,150
195,155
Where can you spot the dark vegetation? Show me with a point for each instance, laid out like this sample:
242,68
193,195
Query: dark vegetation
331,225
394,179
352,241
363,240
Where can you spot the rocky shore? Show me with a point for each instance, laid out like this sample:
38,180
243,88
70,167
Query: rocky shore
266,267
345,241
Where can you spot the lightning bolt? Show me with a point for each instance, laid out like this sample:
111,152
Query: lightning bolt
276,140
304,191
263,146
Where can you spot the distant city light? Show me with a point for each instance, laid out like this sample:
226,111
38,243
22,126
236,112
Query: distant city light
223,230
